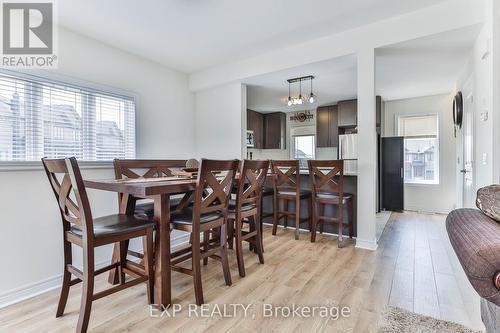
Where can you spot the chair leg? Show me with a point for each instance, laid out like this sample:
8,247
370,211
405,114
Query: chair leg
309,211
239,248
230,233
196,266
275,214
223,255
313,222
287,210
148,263
341,225
206,243
123,259
350,218
258,239
68,259
320,220
297,218
87,290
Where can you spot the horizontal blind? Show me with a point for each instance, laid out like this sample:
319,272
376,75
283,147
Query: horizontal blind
418,126
53,119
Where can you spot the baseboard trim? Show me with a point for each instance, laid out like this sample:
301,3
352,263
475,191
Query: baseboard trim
31,290
366,244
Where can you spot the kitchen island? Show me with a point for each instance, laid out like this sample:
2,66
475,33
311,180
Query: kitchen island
350,186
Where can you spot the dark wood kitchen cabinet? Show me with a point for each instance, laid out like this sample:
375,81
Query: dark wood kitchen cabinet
327,126
274,130
255,123
348,113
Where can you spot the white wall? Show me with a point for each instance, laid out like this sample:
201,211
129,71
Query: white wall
428,198
30,232
220,122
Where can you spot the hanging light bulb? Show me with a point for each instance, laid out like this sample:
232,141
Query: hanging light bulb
289,98
300,101
311,95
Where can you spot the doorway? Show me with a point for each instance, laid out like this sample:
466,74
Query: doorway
467,166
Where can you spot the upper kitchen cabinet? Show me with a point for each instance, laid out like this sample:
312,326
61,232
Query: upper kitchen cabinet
274,130
348,113
255,123
327,127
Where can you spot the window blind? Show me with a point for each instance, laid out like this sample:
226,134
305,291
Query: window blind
418,126
43,118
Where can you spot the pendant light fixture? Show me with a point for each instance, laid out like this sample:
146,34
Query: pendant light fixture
300,99
311,95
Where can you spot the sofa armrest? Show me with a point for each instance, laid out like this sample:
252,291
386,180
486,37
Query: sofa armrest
476,241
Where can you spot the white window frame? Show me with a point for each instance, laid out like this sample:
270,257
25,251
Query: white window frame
437,182
309,130
38,74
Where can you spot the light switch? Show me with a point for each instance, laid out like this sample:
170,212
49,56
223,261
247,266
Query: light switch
484,115
485,158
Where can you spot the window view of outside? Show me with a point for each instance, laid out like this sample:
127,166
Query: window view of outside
40,119
421,149
420,160
303,149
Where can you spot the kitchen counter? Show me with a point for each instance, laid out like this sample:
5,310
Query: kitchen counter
346,174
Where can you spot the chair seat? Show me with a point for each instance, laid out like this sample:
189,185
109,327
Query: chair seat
115,225
186,217
334,197
147,210
244,207
302,193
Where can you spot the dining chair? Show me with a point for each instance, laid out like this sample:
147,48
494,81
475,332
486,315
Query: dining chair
286,184
207,216
246,209
81,229
327,180
133,169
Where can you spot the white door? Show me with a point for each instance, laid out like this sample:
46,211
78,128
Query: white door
468,193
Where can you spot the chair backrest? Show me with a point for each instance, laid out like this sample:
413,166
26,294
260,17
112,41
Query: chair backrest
252,176
147,168
65,178
327,176
286,176
214,184
144,168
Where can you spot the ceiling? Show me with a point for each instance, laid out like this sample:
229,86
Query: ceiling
421,67
191,35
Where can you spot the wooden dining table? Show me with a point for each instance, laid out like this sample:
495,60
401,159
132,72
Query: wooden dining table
159,190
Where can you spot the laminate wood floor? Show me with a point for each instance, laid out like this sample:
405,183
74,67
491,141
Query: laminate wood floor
414,268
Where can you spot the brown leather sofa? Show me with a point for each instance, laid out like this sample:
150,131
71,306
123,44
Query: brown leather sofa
476,240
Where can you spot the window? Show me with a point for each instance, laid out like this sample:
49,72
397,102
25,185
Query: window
421,148
303,149
41,118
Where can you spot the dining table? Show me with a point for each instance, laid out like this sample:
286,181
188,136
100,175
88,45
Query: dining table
159,190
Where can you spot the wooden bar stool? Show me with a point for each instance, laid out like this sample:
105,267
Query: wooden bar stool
81,229
286,183
327,178
208,215
246,208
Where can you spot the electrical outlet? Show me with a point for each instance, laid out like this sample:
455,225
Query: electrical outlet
484,116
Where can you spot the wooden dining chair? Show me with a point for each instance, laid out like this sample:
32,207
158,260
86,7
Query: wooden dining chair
327,180
207,216
133,169
246,209
286,184
81,229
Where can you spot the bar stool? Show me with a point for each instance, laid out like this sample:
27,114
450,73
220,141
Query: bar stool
246,209
327,179
286,183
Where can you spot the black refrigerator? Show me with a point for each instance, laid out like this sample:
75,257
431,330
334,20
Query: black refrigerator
392,173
